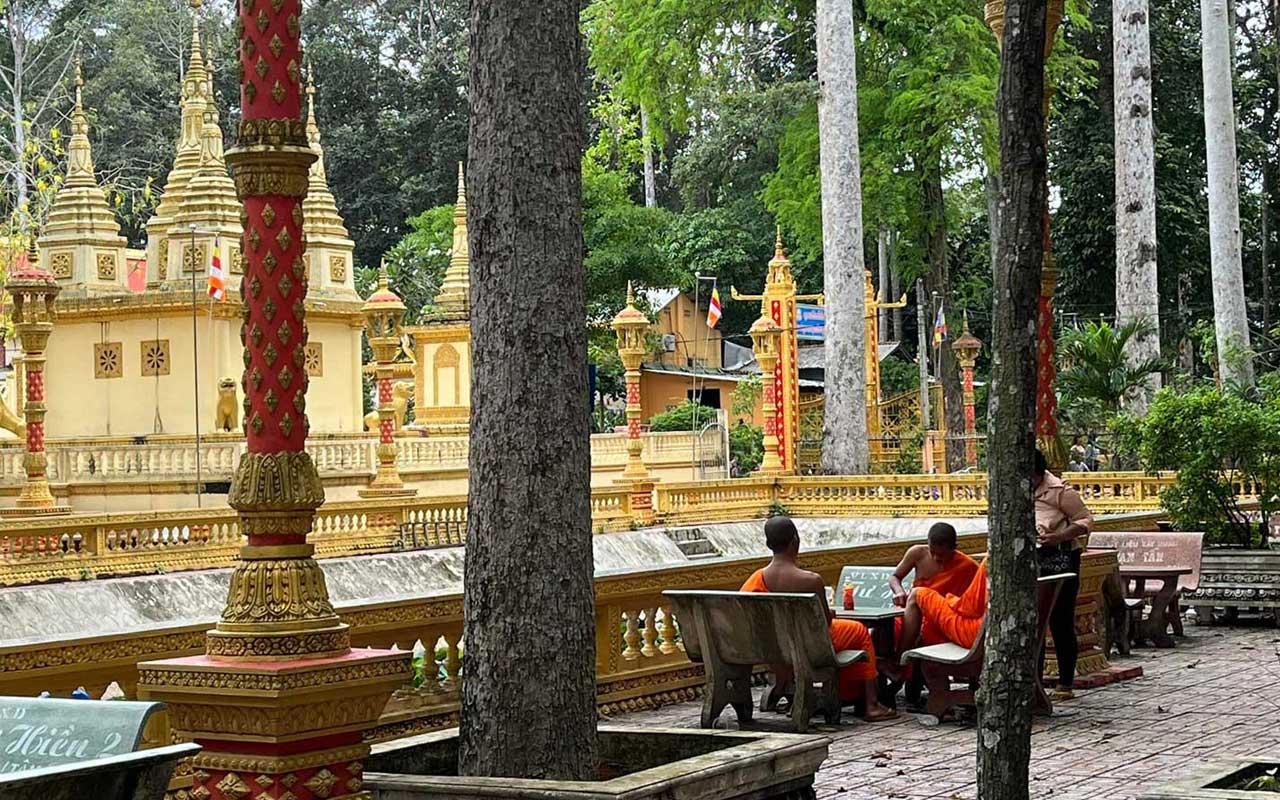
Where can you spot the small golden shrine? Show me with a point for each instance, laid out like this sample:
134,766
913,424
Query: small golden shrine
442,342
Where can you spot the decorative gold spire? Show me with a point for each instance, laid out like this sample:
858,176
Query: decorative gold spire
209,200
320,210
195,98
80,218
455,290
779,265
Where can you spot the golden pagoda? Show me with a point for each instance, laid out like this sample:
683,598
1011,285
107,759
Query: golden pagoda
454,298
209,207
195,99
442,344
329,247
81,244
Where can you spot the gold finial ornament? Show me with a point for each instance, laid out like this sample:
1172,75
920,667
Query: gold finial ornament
454,298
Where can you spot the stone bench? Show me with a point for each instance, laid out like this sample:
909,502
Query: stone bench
56,748
1146,549
948,663
731,633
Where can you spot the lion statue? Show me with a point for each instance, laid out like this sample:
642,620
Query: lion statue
225,415
401,391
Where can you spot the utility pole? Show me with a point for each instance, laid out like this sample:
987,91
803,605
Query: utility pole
922,349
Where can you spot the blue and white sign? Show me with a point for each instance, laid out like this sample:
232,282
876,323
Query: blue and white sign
811,321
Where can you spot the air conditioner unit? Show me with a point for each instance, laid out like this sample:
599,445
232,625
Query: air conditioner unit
668,342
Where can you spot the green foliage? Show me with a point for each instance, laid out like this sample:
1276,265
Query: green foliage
910,460
417,263
682,418
898,376
746,447
1215,439
746,396
1095,376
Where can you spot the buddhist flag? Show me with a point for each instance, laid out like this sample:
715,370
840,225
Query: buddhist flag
940,327
714,312
217,278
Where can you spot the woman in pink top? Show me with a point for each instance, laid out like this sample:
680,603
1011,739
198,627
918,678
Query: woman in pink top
1063,524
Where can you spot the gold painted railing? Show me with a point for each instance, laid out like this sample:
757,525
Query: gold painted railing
84,546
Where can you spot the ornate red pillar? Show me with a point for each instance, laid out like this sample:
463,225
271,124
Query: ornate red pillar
766,341
967,348
279,701
383,322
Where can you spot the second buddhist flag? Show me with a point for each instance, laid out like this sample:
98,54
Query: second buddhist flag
217,279
714,311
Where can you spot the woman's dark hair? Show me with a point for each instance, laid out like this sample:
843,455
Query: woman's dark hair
1041,464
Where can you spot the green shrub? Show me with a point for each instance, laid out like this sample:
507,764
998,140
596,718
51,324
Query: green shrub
681,418
746,446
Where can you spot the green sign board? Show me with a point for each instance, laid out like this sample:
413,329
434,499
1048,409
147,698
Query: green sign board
38,732
871,586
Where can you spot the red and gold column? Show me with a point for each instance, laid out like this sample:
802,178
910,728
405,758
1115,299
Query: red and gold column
34,291
279,701
967,348
384,323
1046,371
631,327
766,340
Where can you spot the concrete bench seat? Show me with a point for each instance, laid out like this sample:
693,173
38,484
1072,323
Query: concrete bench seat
731,633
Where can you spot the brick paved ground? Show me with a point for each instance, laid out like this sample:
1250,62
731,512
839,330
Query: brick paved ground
1217,693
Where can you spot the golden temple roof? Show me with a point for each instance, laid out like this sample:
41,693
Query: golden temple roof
454,297
195,98
319,209
80,212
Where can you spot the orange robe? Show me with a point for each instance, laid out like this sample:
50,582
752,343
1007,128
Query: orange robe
846,634
953,579
956,618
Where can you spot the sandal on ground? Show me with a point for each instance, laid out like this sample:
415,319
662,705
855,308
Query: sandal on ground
1060,694
884,715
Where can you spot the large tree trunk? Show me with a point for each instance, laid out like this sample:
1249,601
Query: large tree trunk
992,186
882,288
1009,663
1137,287
528,600
844,436
1231,322
935,215
650,174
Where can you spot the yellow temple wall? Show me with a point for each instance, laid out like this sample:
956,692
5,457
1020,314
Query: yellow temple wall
693,338
442,380
98,384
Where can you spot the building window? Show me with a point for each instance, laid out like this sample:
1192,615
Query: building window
60,265
106,266
108,360
708,398
155,357
314,359
193,258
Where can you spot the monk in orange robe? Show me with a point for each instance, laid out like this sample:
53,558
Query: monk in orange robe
784,575
954,618
939,566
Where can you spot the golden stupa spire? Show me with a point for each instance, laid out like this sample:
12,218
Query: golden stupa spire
209,200
326,233
455,290
80,214
779,265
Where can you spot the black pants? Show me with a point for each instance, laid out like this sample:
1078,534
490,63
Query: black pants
1062,624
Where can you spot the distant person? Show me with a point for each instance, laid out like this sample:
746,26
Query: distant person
1077,452
1091,454
1077,466
1063,524
857,681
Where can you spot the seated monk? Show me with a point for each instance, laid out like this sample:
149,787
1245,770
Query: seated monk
937,566
783,575
946,618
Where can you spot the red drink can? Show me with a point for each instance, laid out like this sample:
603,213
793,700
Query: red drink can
848,597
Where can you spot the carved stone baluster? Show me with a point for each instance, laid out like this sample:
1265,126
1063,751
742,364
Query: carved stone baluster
668,631
452,664
650,633
632,638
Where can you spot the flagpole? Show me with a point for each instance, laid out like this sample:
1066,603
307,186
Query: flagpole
693,365
195,367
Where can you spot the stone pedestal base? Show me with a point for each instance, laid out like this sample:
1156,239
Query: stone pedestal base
34,511
276,729
387,493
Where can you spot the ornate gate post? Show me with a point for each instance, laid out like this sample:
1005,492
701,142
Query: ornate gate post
279,701
967,348
766,339
383,323
631,326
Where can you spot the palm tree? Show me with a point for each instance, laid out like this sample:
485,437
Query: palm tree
1095,377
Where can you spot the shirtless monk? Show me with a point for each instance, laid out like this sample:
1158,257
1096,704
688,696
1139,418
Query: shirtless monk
784,575
937,566
945,618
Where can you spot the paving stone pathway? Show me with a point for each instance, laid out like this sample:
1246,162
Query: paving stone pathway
1216,694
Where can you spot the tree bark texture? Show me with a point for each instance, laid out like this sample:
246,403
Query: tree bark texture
1137,287
1231,323
650,174
528,597
882,288
845,450
992,186
1010,660
899,315
935,214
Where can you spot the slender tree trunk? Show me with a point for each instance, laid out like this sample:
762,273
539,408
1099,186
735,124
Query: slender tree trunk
650,176
844,436
1231,322
882,260
935,214
18,44
1266,248
899,314
528,599
1010,659
1137,286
